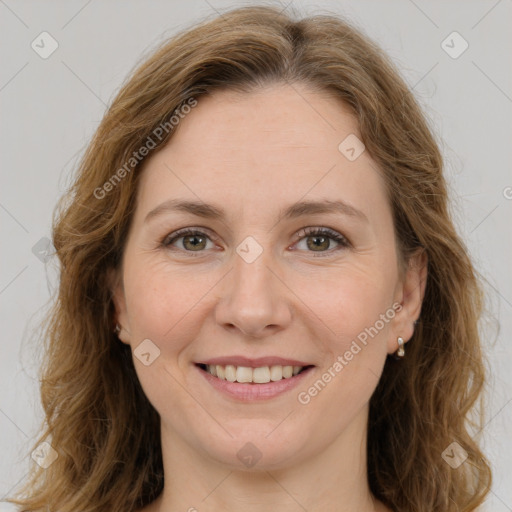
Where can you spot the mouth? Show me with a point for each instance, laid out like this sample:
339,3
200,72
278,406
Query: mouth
248,380
249,375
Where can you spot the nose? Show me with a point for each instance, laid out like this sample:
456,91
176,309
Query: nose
254,299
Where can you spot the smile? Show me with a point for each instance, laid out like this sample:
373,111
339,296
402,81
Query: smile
253,379
248,375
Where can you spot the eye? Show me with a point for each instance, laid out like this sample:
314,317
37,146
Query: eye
318,239
192,240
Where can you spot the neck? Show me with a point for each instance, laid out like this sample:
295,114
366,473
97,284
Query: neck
333,480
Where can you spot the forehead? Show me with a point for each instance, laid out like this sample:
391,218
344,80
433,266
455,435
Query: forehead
251,150
273,118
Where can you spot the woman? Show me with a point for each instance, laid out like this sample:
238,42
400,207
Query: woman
202,354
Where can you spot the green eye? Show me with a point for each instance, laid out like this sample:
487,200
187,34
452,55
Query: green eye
318,240
193,240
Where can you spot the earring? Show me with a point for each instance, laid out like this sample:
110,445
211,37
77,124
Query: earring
400,352
117,330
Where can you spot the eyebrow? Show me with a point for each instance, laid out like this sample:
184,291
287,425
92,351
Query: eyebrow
210,211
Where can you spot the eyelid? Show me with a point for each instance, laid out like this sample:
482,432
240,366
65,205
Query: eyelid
323,230
188,230
184,232
305,232
311,231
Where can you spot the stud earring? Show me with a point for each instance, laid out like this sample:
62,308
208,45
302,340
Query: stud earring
400,352
117,330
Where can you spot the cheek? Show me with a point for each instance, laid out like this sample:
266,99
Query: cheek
160,307
152,308
353,300
158,300
354,360
357,313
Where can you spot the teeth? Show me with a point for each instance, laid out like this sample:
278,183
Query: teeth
259,375
276,373
230,373
243,374
287,372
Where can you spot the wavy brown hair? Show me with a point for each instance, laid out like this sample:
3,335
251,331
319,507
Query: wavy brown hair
97,418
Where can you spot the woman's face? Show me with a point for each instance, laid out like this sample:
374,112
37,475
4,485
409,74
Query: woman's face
291,262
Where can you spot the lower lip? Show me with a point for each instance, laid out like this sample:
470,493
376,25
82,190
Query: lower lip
248,392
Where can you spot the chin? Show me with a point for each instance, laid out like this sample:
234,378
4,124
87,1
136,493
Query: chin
257,445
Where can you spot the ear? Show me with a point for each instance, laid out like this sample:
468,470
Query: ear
409,294
121,319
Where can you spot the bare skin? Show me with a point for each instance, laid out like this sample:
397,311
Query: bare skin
305,297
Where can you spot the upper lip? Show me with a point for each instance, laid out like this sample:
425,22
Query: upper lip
253,363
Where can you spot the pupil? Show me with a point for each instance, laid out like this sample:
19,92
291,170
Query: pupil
319,240
195,238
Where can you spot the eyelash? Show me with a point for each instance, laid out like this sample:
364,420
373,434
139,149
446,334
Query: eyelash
304,233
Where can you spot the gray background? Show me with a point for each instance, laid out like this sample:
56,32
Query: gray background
51,107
